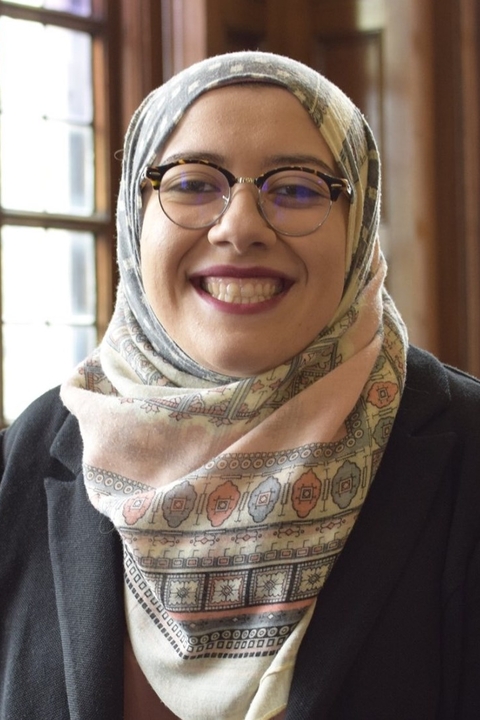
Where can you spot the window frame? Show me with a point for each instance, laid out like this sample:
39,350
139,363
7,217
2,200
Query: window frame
128,63
104,26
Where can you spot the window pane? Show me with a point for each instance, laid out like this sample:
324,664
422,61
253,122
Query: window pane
54,172
16,191
76,7
48,315
48,276
68,167
30,3
46,119
57,83
68,90
21,79
29,369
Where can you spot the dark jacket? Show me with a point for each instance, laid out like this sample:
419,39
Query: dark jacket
396,630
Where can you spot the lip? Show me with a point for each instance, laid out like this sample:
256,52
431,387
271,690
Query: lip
235,271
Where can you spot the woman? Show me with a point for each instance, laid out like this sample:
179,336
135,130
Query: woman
248,427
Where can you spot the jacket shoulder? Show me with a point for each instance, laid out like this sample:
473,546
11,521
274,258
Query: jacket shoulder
436,390
27,442
423,367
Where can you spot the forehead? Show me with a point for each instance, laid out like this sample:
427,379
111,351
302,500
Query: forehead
249,118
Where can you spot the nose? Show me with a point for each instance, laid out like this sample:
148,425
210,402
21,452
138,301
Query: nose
242,225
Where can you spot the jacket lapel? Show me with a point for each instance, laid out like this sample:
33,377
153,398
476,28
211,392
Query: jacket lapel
385,534
86,559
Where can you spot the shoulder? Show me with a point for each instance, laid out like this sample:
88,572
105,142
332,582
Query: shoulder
41,419
26,444
436,390
424,367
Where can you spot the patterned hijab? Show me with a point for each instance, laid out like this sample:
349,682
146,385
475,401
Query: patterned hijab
234,497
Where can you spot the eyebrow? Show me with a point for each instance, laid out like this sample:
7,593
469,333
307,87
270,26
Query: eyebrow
300,159
270,161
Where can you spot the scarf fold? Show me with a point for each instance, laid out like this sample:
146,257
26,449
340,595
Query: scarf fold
233,497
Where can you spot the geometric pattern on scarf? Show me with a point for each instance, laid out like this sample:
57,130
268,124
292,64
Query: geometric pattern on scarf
234,497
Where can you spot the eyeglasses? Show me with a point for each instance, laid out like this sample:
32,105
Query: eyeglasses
293,200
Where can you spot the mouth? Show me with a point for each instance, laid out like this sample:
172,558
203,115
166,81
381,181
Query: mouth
242,291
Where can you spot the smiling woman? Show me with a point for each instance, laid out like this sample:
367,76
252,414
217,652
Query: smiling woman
196,280
262,503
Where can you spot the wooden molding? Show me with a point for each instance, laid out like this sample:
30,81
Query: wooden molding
184,32
457,108
470,76
141,53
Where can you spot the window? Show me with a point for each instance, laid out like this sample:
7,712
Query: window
56,137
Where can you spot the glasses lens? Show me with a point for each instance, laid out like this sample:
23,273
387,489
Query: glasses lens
295,202
193,196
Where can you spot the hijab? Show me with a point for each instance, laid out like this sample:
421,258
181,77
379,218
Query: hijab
234,496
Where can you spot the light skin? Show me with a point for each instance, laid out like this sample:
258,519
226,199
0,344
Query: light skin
247,130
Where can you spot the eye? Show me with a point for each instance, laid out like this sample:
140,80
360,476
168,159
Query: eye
192,185
299,192
296,191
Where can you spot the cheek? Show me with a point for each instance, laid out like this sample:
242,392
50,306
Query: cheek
165,250
155,257
325,263
326,279
150,260
329,282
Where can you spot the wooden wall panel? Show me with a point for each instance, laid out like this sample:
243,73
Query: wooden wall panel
457,165
234,26
183,33
140,52
408,154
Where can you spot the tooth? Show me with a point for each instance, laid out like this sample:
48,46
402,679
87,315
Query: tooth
248,290
233,289
240,291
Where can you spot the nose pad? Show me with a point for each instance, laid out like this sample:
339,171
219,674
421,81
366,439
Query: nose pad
242,224
245,194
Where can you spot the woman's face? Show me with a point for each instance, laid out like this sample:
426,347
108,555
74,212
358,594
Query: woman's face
297,282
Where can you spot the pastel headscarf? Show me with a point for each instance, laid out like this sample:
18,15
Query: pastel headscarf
339,121
234,497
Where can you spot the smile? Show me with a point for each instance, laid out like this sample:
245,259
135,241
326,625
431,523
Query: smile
242,291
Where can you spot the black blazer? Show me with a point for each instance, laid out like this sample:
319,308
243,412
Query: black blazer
396,629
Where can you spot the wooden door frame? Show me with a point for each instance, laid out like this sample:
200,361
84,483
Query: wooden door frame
457,173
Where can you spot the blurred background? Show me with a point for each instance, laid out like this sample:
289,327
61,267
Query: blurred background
73,71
